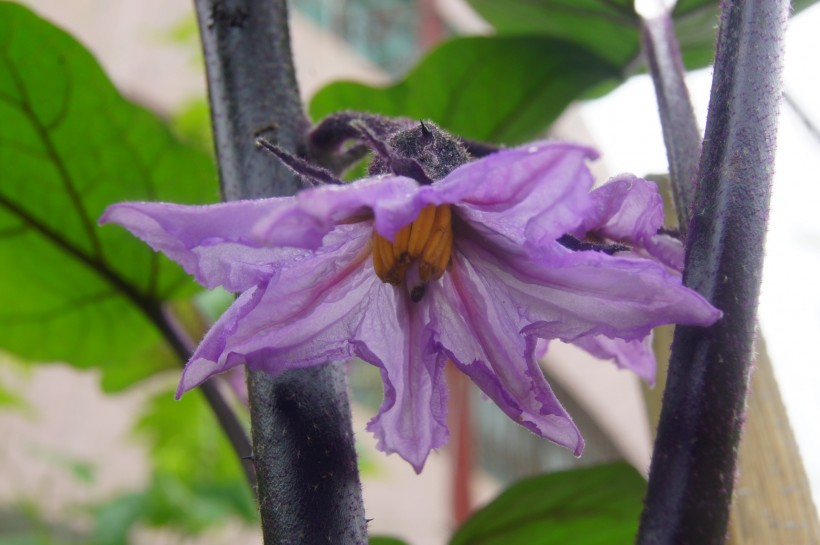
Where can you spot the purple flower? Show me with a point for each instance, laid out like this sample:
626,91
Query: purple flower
408,276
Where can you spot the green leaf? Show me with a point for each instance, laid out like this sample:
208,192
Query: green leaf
500,89
590,506
384,540
115,518
609,28
511,87
69,146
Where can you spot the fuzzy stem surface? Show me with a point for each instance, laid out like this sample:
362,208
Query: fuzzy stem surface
694,462
308,483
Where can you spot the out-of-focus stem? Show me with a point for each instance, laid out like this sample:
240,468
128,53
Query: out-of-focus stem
694,462
461,444
181,344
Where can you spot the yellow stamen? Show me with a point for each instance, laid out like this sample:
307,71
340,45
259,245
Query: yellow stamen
443,258
401,242
436,257
429,239
386,250
420,230
378,261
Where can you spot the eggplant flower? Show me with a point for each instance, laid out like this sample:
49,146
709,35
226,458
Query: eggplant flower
407,276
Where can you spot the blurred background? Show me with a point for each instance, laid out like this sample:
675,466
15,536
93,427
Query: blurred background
83,465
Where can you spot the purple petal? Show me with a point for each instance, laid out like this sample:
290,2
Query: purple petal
316,211
397,338
666,249
532,194
635,355
627,208
304,317
477,329
212,242
206,360
630,209
566,295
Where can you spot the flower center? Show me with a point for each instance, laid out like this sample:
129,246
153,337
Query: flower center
427,244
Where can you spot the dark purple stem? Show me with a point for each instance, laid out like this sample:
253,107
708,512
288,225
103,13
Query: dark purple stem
694,462
308,482
680,129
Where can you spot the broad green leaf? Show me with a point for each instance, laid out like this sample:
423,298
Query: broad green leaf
499,89
590,506
70,145
511,87
610,28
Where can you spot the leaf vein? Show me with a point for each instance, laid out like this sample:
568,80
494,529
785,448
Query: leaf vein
51,151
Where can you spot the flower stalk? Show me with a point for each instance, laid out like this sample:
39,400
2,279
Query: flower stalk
680,129
308,483
694,463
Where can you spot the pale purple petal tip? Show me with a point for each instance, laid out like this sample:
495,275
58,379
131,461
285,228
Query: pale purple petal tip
210,357
398,338
562,294
211,242
630,209
635,355
627,208
478,330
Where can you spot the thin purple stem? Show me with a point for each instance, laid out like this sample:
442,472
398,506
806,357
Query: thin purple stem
182,345
680,129
694,463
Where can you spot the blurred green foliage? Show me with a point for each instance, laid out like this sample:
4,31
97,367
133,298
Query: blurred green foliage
492,89
9,399
197,479
591,506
